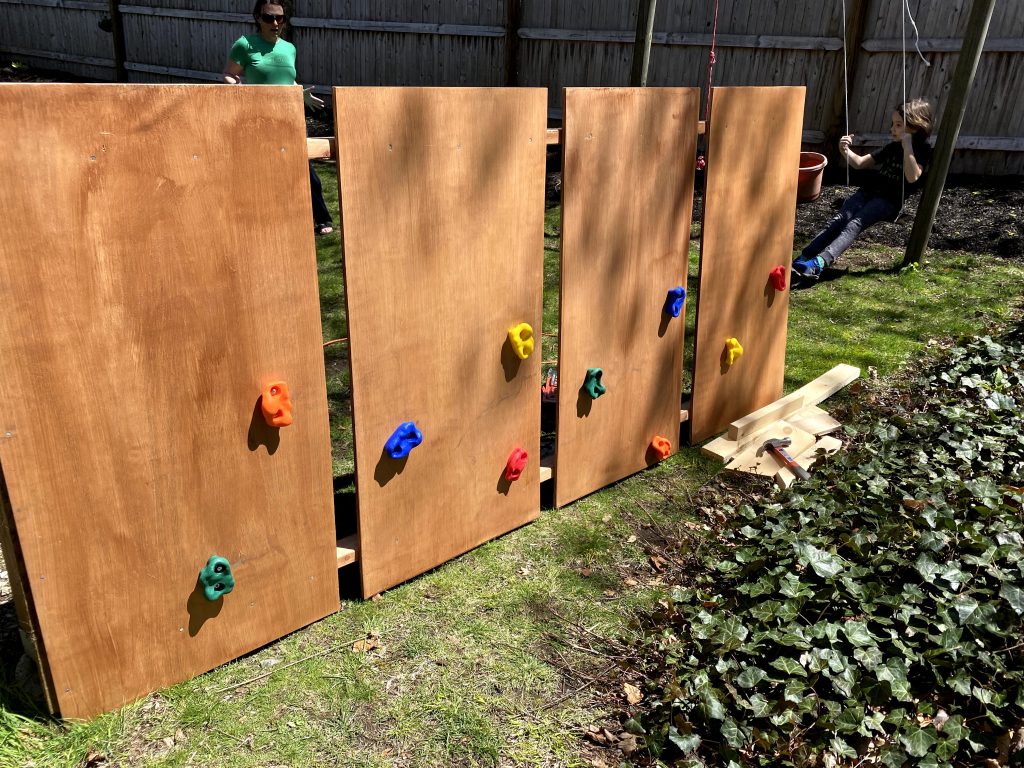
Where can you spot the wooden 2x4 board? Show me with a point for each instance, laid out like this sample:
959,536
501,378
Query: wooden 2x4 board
442,202
157,268
627,197
753,159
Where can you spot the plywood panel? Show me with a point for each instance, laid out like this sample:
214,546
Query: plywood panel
753,157
626,207
157,266
442,200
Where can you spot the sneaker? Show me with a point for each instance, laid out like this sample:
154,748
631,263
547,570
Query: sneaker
808,269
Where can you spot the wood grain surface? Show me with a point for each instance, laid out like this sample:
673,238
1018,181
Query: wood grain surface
442,199
627,197
157,267
753,158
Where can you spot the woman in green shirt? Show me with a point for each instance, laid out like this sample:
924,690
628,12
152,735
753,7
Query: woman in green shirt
268,59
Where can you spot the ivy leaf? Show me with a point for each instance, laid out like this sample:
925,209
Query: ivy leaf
789,666
734,737
712,706
965,607
928,568
751,676
687,742
1014,595
857,633
841,749
918,741
825,564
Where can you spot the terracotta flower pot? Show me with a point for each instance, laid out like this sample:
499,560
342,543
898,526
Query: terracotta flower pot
808,186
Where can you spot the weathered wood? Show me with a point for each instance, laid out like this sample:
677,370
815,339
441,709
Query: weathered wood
949,129
117,40
945,45
695,40
513,20
642,42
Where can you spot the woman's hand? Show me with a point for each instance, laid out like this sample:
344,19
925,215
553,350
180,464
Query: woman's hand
310,100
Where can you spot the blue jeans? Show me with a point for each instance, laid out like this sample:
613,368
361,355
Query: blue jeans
858,213
321,214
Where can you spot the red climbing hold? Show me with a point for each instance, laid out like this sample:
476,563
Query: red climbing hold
778,278
516,464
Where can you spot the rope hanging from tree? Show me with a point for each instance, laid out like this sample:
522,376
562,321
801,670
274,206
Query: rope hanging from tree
701,161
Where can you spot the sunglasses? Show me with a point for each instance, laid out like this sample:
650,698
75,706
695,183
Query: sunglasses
270,18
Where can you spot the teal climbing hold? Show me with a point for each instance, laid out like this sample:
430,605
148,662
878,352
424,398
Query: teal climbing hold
592,383
216,578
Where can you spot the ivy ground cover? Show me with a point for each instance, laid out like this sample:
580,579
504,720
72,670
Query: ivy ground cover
873,616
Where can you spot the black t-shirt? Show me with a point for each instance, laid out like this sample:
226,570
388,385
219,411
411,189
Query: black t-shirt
887,179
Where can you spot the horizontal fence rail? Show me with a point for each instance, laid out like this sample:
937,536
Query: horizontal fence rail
561,43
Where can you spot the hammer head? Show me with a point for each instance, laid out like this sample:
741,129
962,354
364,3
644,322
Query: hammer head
778,442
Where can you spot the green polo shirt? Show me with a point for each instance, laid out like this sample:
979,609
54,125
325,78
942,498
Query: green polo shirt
265,63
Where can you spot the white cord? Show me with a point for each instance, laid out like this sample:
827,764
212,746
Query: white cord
904,10
917,36
846,89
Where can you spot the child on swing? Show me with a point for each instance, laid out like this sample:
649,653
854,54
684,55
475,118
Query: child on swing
899,169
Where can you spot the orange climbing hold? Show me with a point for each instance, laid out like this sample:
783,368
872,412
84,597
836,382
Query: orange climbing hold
661,447
277,404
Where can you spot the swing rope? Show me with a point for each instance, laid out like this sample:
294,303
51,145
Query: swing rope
846,88
701,160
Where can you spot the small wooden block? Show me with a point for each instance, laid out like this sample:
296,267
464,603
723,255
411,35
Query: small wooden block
752,423
321,149
554,136
684,415
815,420
547,468
826,446
348,550
755,461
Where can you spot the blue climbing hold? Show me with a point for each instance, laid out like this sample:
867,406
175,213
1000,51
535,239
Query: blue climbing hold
403,440
674,302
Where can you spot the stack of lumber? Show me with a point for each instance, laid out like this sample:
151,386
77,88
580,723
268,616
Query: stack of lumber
796,417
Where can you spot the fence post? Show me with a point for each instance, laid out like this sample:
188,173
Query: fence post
855,24
512,23
642,46
117,33
949,129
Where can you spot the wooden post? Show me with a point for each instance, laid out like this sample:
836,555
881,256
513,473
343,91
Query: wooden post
642,46
855,24
512,23
117,33
949,129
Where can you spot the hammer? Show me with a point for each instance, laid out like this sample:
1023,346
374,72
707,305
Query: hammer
778,447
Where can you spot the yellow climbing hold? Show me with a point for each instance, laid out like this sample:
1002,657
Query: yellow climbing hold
733,350
521,339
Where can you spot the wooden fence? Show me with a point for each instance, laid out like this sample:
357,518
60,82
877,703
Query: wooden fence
556,43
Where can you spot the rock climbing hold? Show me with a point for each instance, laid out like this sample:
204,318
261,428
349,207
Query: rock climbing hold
516,464
733,350
592,383
276,404
521,339
778,278
403,440
674,302
661,447
216,578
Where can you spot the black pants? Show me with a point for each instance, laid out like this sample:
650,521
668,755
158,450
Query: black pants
320,213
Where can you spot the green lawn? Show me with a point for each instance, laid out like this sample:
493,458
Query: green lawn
481,662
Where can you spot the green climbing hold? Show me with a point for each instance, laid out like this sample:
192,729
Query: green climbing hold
216,578
592,383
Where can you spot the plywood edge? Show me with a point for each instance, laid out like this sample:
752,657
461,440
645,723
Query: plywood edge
554,136
28,623
830,382
825,446
348,550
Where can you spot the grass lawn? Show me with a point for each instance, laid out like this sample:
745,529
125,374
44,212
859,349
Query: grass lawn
479,662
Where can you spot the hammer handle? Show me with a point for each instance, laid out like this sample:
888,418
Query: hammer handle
791,464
